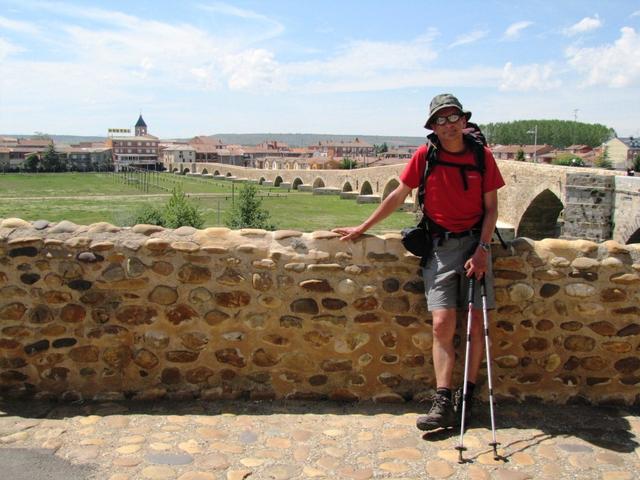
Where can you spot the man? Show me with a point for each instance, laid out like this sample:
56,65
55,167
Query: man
462,214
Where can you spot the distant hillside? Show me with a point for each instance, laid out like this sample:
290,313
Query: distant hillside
60,138
306,139
291,139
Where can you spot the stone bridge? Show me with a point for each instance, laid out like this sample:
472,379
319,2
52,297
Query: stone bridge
538,201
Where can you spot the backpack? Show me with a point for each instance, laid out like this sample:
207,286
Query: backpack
476,141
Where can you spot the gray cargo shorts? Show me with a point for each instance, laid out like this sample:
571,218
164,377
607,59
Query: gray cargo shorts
446,285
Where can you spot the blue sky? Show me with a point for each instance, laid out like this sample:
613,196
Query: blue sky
342,67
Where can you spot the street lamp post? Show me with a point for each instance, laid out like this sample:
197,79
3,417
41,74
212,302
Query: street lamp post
534,132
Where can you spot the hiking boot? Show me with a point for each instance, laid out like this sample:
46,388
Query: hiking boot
468,408
441,414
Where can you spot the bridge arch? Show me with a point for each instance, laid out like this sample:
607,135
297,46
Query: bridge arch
540,219
347,187
277,181
318,183
635,236
296,183
366,188
390,187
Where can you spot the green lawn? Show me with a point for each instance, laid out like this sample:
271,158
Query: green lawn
25,196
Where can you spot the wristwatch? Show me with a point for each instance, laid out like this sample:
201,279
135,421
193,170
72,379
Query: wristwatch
485,246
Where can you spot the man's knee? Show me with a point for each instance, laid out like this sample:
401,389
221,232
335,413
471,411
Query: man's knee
444,325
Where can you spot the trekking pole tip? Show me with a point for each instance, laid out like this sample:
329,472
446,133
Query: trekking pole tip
461,449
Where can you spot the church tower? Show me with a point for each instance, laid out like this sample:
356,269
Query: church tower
141,127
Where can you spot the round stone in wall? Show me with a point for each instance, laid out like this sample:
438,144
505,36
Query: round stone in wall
347,287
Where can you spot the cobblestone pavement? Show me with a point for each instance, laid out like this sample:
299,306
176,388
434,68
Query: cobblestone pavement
194,440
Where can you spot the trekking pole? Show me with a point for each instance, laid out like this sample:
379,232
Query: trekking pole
460,447
485,318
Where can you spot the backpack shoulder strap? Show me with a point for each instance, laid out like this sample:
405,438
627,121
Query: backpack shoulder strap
428,165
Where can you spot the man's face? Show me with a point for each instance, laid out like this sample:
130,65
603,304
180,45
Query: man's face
448,130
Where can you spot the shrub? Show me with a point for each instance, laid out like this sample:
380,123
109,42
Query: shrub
178,212
568,160
149,215
603,162
348,164
248,212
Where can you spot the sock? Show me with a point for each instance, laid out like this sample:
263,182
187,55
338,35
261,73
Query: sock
445,392
470,388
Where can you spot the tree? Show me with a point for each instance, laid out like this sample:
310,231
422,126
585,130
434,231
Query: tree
559,133
602,160
520,155
378,149
178,212
32,163
51,161
348,164
248,212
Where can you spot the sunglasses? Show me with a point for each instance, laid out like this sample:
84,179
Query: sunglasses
453,118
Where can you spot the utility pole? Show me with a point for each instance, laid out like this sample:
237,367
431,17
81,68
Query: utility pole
535,143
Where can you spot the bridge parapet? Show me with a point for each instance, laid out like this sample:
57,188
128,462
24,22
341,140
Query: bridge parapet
101,312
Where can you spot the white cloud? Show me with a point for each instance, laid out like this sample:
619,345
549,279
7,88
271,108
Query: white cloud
15,25
528,77
7,48
514,30
365,58
275,27
616,65
254,70
180,55
470,37
585,25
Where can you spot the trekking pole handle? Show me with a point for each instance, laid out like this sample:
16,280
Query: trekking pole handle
483,287
472,285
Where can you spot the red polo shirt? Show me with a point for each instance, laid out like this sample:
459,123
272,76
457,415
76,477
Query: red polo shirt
446,201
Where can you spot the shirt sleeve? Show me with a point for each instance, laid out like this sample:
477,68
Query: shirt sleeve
413,171
492,179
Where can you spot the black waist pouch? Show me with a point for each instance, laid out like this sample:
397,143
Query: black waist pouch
417,240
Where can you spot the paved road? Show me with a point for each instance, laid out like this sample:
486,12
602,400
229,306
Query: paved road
195,440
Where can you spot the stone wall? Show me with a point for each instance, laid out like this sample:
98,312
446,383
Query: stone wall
626,218
105,312
588,211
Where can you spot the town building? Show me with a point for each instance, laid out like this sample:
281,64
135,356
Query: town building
139,150
356,148
14,151
529,153
622,151
86,156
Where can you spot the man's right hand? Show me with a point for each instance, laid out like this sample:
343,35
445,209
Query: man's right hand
349,233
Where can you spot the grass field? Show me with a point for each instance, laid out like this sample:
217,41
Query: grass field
86,198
